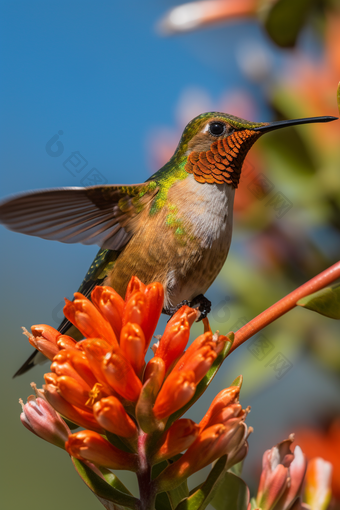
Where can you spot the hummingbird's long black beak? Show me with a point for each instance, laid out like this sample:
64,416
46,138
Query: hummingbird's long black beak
285,123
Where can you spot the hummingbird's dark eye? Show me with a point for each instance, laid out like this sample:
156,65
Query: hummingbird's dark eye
217,128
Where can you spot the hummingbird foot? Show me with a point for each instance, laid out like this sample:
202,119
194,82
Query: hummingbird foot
203,304
200,302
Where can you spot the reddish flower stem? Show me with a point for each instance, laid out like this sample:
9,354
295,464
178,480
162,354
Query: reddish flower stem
147,492
285,304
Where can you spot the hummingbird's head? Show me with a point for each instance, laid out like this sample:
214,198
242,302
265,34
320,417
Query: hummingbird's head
214,145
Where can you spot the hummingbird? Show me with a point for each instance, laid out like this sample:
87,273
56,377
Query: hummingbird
175,228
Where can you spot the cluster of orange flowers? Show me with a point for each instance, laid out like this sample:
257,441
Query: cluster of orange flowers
103,384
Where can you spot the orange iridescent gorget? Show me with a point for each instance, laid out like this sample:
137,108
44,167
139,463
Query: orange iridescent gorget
223,162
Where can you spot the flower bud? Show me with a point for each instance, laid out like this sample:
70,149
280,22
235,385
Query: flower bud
76,415
211,444
39,417
66,342
174,340
135,309
177,390
222,401
96,350
44,339
134,285
111,415
75,393
153,378
79,362
154,294
91,446
297,471
85,316
177,438
121,376
110,305
275,472
132,344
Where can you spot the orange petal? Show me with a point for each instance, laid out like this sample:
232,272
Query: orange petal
85,316
61,366
75,393
154,294
44,339
81,365
111,415
121,376
173,341
96,349
178,437
199,342
47,332
223,399
46,347
132,344
177,390
88,445
66,342
153,378
200,362
135,309
191,314
134,285
202,452
155,370
110,305
76,415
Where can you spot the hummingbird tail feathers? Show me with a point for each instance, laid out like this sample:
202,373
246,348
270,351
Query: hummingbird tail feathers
35,359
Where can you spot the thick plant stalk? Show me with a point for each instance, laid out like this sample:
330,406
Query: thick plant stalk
285,304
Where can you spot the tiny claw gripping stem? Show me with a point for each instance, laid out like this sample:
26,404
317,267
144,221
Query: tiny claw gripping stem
202,304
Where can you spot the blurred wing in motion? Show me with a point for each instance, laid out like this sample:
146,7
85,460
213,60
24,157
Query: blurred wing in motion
99,215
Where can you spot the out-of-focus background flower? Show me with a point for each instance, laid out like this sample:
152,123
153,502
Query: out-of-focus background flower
100,92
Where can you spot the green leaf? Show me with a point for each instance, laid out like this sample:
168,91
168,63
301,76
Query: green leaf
118,442
238,381
231,494
284,20
204,383
325,301
114,481
170,499
236,469
204,494
112,491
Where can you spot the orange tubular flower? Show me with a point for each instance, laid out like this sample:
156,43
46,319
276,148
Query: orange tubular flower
181,384
179,437
93,447
134,285
101,383
84,315
110,305
212,443
132,343
111,415
121,376
44,339
71,412
176,335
